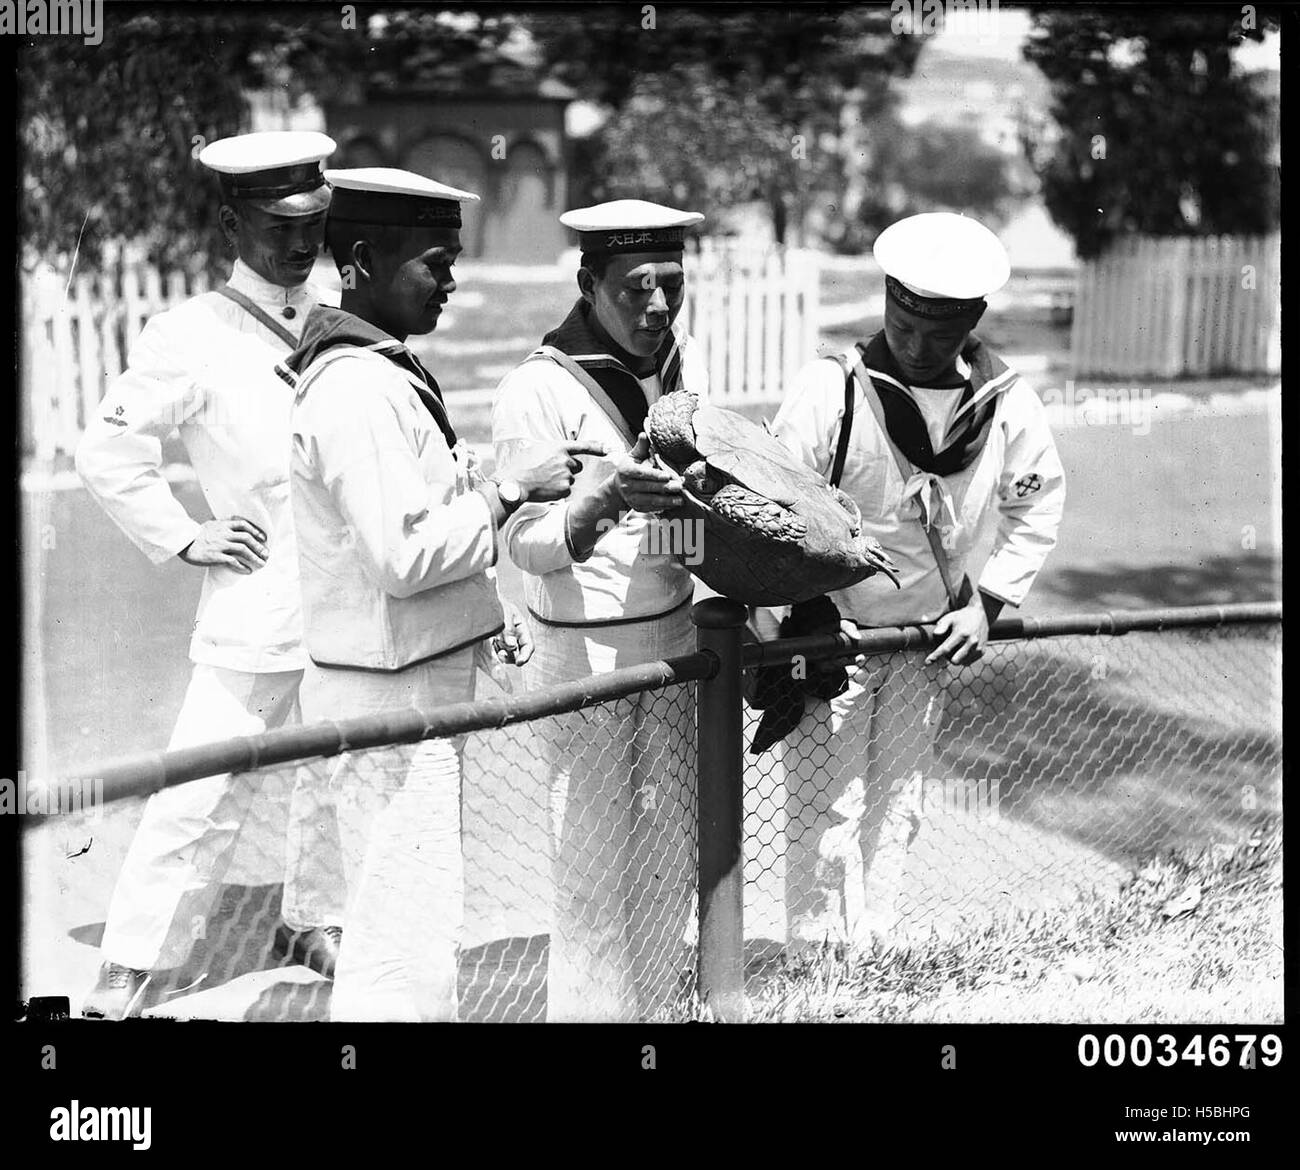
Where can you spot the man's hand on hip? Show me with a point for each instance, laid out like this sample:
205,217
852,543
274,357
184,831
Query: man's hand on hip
237,543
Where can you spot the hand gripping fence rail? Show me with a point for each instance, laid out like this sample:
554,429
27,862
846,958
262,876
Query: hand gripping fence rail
619,853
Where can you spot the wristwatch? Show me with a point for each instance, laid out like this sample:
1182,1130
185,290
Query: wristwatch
509,493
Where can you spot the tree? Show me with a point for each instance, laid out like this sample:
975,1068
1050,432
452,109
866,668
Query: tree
798,88
939,167
1157,131
111,133
684,137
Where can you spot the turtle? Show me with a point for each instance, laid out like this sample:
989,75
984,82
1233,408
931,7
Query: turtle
774,531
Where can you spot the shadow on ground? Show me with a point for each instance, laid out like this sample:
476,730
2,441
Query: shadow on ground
237,972
1128,745
1252,576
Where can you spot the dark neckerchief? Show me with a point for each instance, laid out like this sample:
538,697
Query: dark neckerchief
906,424
327,327
574,337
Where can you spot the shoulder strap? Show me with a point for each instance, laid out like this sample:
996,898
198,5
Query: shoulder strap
956,597
256,311
588,383
435,406
314,371
846,424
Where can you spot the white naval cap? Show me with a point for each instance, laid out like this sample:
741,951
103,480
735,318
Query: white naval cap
943,256
276,170
631,225
387,195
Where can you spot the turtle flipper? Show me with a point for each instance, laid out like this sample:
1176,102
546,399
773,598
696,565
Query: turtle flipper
880,561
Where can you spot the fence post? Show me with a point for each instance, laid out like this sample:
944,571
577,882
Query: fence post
720,743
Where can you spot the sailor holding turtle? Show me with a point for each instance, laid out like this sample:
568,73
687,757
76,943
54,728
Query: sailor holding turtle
604,591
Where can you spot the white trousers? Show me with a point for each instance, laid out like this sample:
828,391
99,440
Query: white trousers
854,773
398,816
187,835
623,807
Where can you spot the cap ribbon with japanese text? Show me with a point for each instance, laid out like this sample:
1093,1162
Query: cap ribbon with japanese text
631,225
389,197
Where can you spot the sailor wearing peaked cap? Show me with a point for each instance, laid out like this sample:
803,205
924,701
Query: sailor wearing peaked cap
277,171
932,434
205,367
605,591
398,537
273,180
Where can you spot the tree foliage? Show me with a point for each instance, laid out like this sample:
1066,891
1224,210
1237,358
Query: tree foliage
713,104
719,105
738,151
110,133
937,166
1157,131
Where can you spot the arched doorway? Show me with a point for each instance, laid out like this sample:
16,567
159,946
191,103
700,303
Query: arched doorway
522,229
358,152
458,163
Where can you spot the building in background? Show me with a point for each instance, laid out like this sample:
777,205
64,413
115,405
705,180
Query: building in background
496,128
509,148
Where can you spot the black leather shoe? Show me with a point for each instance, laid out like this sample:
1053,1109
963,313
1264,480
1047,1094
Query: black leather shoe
119,994
317,948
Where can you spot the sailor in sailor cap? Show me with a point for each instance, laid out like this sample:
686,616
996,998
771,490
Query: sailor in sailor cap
933,435
205,367
398,533
605,591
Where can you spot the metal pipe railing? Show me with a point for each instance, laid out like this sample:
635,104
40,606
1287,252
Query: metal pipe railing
148,772
896,638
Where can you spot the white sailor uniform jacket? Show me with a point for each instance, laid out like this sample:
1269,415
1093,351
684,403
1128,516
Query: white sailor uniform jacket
632,572
1016,482
205,367
396,546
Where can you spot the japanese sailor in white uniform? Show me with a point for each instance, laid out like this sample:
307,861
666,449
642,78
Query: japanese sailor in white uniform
205,368
397,539
605,591
944,441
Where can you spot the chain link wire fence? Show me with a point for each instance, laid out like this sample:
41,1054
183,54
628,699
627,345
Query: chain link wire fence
930,800
546,869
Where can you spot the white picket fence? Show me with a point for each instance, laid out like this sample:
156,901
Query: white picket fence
753,313
75,338
1170,307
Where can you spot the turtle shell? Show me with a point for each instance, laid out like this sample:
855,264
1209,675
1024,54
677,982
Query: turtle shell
773,531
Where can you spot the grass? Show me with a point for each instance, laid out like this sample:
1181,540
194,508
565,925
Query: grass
1131,959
